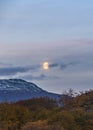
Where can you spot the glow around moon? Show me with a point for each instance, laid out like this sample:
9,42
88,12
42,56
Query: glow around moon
45,65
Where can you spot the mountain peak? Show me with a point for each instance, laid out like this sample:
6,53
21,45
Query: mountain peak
19,89
18,84
17,80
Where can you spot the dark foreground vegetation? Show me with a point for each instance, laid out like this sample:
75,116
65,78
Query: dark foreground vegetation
76,113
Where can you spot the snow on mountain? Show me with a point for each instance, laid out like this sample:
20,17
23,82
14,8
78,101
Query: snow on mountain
12,90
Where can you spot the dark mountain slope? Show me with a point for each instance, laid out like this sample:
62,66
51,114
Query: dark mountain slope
17,89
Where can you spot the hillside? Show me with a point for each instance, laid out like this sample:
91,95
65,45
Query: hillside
44,114
12,90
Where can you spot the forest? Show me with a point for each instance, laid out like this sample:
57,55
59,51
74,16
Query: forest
69,113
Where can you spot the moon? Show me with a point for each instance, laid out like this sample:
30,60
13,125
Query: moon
45,65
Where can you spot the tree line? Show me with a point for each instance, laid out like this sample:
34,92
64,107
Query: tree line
69,113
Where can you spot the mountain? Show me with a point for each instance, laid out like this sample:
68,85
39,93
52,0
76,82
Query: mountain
12,90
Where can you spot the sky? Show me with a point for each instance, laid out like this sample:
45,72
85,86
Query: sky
59,32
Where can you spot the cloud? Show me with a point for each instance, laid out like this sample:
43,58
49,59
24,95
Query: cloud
10,70
66,65
63,65
53,65
27,72
39,77
4,65
34,72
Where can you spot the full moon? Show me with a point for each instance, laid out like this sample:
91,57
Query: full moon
45,65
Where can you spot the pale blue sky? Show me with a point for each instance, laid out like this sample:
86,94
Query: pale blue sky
45,20
57,31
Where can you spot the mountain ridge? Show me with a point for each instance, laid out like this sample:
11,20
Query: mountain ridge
12,90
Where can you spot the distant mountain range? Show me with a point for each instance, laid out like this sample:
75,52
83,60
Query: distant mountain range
12,90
